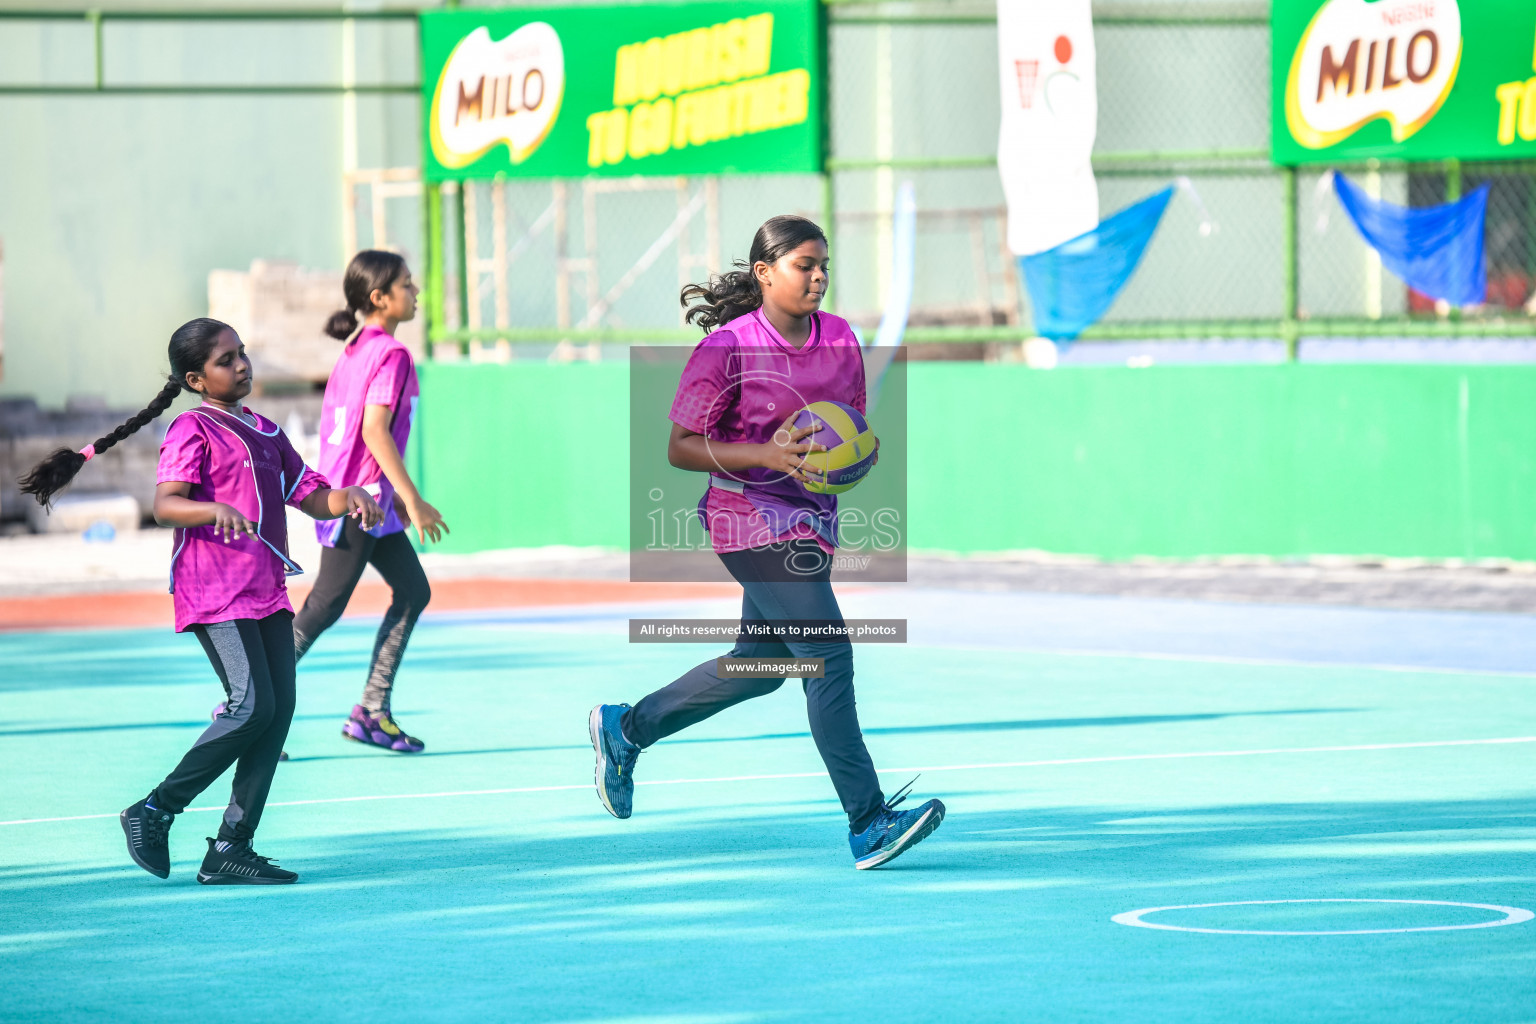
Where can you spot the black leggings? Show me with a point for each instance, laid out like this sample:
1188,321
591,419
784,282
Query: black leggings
340,569
254,660
786,581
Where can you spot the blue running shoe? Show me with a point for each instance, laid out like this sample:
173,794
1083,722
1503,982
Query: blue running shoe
894,832
615,758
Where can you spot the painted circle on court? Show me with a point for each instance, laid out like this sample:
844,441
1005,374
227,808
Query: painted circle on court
1512,915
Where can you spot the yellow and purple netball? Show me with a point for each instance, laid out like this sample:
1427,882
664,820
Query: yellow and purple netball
850,445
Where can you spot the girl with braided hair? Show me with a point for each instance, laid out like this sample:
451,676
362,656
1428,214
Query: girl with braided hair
225,474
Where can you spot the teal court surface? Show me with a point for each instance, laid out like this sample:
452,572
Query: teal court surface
1338,804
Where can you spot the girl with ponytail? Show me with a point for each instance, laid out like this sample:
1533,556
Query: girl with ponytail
365,422
770,352
225,474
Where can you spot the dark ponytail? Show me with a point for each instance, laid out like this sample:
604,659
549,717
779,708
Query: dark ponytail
736,292
341,324
190,347
370,270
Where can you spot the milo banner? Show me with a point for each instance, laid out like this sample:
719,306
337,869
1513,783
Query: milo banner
1405,79
654,89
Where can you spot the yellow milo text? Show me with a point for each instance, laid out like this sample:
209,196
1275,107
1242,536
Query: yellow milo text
1517,109
694,88
693,60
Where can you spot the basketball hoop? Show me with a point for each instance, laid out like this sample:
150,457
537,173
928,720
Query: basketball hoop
1027,71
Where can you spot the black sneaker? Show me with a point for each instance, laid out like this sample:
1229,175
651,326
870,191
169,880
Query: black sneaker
233,862
147,829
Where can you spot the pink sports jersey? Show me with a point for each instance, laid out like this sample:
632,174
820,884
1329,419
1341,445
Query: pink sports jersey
255,471
373,369
740,385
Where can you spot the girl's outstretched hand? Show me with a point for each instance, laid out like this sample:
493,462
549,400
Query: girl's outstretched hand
786,452
427,520
229,524
361,505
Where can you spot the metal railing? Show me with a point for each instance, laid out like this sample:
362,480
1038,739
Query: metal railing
1286,305
97,19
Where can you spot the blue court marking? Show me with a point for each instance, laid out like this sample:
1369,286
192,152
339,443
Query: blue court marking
1257,757
1480,641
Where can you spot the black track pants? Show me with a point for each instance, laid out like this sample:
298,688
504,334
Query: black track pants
254,660
780,582
340,569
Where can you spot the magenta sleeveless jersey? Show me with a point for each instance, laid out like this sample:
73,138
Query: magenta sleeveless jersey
254,470
740,385
373,369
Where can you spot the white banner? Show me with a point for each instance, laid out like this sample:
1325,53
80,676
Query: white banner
1050,114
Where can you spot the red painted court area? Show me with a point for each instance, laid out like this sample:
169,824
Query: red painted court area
148,608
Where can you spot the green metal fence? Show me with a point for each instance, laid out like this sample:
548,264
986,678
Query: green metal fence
1184,92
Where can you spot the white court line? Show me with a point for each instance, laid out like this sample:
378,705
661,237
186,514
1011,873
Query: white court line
816,775
618,613
1512,915
1222,659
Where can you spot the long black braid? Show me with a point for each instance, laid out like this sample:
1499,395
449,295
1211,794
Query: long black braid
189,349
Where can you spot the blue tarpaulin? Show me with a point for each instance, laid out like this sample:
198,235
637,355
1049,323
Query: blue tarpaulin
1072,285
1437,250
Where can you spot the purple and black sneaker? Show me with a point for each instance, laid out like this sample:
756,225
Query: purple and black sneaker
379,730
218,710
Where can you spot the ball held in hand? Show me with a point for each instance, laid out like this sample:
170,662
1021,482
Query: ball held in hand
850,446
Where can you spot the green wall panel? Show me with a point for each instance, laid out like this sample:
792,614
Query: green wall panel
526,454
1177,462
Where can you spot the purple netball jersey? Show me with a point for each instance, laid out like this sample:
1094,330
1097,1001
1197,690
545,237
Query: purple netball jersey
741,383
373,369
254,470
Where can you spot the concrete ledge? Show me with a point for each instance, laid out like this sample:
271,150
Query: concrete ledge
76,513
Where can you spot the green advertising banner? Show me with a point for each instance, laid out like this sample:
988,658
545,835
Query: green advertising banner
654,89
1403,79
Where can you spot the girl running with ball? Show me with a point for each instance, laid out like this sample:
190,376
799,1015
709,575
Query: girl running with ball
365,421
770,352
225,474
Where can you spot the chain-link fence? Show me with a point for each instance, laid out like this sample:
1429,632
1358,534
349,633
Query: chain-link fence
1249,251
